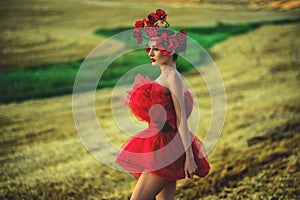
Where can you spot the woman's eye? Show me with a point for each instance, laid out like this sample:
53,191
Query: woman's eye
149,49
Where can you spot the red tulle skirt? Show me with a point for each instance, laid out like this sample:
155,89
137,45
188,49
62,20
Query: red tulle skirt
161,153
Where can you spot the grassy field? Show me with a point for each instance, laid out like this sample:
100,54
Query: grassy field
58,78
35,33
41,153
256,157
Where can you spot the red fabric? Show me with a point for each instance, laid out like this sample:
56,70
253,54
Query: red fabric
156,149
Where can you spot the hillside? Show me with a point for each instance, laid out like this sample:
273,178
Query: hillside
256,156
38,33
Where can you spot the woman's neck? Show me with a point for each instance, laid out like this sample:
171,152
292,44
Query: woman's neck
168,68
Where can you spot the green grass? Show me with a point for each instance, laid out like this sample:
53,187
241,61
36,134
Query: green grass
58,78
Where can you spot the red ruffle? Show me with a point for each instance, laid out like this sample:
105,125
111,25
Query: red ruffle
142,153
150,148
146,93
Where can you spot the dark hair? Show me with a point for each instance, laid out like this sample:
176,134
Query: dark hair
175,56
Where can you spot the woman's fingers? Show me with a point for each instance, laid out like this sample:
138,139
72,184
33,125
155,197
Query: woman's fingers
190,170
189,174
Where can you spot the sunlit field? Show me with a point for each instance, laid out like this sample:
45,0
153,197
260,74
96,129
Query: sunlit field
256,157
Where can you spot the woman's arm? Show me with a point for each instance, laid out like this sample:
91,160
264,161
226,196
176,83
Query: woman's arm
177,93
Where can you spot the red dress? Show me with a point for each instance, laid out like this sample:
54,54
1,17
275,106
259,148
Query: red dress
158,149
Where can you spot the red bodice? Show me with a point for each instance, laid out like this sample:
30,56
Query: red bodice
151,102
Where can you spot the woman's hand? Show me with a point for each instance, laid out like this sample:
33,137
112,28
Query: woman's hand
190,167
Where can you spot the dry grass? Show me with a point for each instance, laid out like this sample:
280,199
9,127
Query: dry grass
34,33
255,157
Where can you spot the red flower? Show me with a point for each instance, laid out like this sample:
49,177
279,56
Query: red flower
173,44
152,19
138,35
139,23
181,37
151,31
166,44
183,31
161,15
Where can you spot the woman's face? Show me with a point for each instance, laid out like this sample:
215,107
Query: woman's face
156,56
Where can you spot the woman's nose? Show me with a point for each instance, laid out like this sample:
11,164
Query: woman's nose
151,52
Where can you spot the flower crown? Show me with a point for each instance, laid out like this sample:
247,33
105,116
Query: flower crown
167,41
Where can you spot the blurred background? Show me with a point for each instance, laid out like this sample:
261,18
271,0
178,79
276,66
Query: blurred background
254,43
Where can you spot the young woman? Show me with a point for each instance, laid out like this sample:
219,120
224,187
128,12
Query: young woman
166,151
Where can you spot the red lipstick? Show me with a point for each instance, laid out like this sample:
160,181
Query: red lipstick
152,60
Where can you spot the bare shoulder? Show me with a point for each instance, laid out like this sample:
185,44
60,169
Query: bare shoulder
174,80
